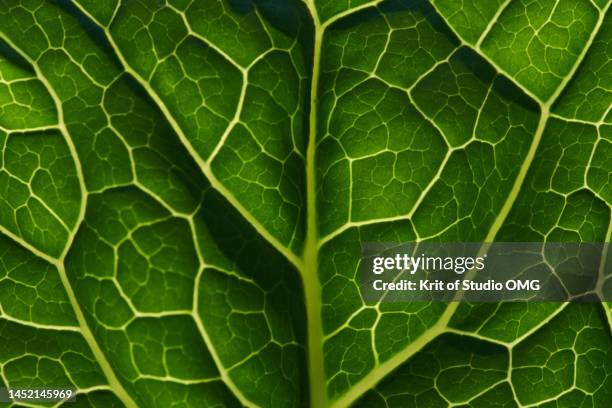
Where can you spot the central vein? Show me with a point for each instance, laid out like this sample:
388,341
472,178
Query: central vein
312,288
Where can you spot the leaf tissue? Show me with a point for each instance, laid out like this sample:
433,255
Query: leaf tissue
185,187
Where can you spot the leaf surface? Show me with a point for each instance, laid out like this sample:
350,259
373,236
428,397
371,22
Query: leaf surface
185,187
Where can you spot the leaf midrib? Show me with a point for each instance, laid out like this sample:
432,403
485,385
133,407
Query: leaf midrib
310,273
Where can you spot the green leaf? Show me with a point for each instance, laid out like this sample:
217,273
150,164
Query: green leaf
185,187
